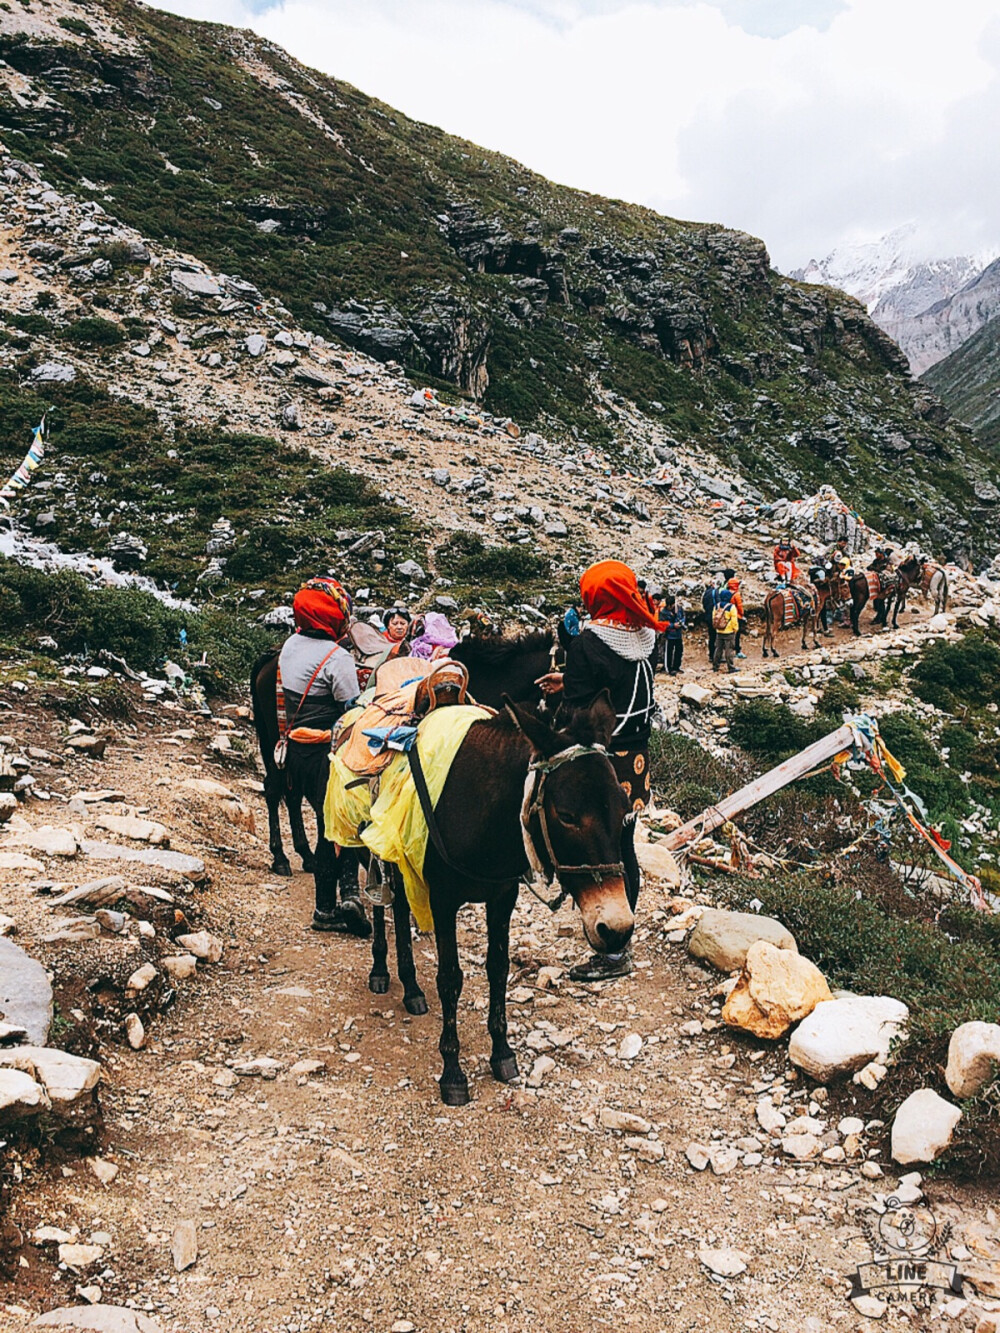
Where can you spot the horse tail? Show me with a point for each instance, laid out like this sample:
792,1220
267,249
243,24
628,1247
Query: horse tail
264,707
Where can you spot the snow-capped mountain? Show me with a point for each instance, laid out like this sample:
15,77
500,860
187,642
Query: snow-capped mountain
916,300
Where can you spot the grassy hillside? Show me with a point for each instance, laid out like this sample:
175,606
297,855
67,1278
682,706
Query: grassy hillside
969,383
543,303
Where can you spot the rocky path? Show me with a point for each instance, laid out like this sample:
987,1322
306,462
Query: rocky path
280,1140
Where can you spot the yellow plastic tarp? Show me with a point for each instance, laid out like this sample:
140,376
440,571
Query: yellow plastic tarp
395,826
398,830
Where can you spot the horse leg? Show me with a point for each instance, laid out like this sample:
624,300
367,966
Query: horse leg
274,793
378,977
503,1061
414,1000
300,840
855,617
454,1085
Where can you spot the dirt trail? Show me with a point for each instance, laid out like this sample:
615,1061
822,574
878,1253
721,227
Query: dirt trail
350,1198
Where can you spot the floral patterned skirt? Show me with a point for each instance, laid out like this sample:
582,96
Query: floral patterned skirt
632,771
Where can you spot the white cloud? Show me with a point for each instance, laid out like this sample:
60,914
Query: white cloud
809,122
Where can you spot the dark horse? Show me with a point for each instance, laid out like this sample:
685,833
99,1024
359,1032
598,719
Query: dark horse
924,575
496,667
510,667
263,696
578,838
882,591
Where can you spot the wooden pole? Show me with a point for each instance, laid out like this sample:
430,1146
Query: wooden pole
766,785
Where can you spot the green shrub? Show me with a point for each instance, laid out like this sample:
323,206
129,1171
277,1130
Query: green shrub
79,26
467,557
93,331
959,675
839,697
772,731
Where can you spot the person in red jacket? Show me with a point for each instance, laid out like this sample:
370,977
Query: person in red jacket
785,555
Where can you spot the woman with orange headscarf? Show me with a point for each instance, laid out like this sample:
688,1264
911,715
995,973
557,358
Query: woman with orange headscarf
613,653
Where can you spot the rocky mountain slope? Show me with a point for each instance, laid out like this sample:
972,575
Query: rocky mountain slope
969,381
929,307
604,327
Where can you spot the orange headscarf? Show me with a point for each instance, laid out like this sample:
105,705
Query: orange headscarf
324,610
610,592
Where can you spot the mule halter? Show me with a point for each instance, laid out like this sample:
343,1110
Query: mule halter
534,804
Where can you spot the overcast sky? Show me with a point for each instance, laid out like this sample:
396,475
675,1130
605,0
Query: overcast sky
811,123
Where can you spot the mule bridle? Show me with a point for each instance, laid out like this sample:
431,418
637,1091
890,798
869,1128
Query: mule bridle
534,805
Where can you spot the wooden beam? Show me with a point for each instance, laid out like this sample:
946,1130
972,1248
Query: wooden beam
766,785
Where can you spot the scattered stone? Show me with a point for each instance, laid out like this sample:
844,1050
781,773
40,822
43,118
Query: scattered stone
194,286
106,1172
25,992
543,1065
776,988
656,861
623,1121
203,945
50,841
92,746
724,1263
98,1319
845,1034
128,826
850,1124
18,861
135,1032
723,1160
80,1256
923,1127
698,1155
770,1119
184,1246
308,1067
802,1147
141,978
191,867
695,694
630,1046
973,1058
53,372
179,967
723,938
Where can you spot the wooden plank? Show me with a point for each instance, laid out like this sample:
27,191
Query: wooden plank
766,785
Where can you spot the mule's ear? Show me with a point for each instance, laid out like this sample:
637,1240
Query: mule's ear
540,736
603,718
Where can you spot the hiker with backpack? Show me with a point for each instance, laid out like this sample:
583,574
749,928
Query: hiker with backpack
733,587
674,622
726,621
317,682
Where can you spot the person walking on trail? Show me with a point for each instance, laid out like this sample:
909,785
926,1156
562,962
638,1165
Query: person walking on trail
612,654
733,588
726,624
317,682
785,555
709,601
672,617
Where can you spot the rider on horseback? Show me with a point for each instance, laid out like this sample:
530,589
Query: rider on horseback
317,682
785,555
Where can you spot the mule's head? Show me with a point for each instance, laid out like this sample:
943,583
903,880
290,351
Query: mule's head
584,810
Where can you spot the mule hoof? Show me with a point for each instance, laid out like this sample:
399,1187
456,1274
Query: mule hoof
378,985
282,868
455,1094
415,1004
506,1070
308,865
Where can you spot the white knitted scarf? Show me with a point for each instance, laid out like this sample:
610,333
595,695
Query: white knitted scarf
631,642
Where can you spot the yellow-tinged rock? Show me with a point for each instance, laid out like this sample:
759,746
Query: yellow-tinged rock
775,989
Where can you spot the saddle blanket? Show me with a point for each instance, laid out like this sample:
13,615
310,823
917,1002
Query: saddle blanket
927,576
796,604
392,826
880,585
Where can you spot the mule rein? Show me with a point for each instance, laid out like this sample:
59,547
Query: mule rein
533,805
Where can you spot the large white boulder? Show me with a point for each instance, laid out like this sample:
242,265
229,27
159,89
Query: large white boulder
775,989
20,1095
923,1127
973,1058
843,1035
64,1077
722,938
